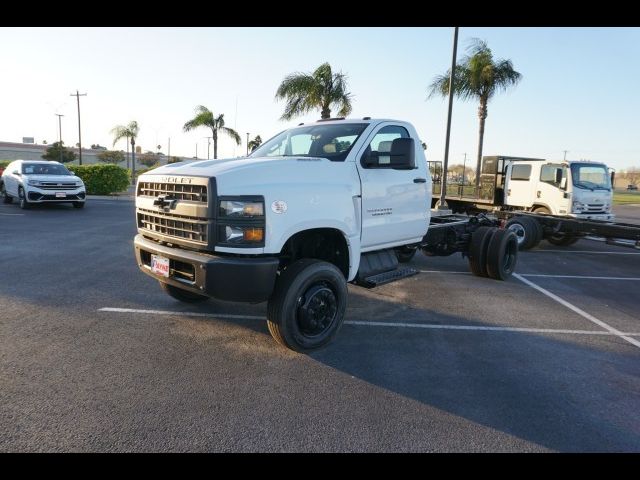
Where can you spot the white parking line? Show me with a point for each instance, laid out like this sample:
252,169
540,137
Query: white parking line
579,311
580,276
377,324
584,251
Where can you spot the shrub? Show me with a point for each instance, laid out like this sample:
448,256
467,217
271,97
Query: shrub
102,179
59,153
111,156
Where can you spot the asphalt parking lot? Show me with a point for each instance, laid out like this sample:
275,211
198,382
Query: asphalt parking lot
94,357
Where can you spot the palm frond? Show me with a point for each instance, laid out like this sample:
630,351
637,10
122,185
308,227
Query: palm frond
232,133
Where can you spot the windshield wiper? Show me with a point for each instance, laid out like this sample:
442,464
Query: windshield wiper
582,185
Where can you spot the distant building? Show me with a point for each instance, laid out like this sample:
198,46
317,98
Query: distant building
27,151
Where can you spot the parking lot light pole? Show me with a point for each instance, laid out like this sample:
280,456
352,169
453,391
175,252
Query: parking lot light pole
443,185
60,115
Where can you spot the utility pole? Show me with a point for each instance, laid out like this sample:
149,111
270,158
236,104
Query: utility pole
464,168
565,154
78,95
60,115
247,144
443,202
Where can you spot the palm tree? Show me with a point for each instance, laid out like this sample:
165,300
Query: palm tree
129,131
255,143
205,118
321,89
478,76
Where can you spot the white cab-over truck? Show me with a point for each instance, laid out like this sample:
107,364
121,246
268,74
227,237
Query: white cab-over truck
579,191
315,207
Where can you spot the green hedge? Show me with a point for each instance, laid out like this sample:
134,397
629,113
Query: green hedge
5,163
102,179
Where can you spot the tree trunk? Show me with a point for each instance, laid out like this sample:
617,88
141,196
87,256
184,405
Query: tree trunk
215,145
482,114
133,161
326,112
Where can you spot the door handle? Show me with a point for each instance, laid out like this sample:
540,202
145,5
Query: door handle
538,193
419,180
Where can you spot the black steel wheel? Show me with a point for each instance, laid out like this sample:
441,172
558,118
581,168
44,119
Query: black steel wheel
478,250
182,295
502,254
306,309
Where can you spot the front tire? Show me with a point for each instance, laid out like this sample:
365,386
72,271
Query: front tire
306,310
6,198
22,199
182,295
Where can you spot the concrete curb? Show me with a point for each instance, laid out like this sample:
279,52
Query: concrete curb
120,198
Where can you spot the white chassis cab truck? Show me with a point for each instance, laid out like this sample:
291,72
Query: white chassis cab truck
315,207
577,190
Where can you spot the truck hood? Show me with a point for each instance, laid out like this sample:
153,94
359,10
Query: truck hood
256,176
214,168
592,197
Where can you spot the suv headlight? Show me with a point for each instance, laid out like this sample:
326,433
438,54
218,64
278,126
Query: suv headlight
241,221
578,207
34,183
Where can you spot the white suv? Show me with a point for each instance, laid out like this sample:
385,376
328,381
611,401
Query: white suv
41,181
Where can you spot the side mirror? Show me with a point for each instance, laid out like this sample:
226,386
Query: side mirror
72,172
16,172
368,160
403,154
563,183
558,176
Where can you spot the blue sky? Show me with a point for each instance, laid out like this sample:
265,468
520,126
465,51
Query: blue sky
579,90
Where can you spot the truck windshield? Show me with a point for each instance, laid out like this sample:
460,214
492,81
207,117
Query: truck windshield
328,141
591,177
44,169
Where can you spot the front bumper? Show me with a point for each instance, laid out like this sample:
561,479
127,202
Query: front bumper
225,278
607,217
38,195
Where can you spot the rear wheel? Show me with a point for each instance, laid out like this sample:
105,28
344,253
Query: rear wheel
562,239
405,254
306,310
527,230
22,199
182,295
478,250
502,254
6,198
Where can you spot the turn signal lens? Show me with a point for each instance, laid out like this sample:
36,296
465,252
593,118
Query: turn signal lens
253,234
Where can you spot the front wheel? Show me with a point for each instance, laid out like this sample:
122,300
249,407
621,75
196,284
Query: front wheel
6,198
182,295
308,304
24,204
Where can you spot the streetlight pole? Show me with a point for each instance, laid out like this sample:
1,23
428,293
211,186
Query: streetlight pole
60,115
247,144
443,202
78,95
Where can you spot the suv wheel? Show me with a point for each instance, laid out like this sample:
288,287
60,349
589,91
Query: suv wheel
24,204
6,198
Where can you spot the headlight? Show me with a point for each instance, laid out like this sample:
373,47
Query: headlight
238,208
607,207
241,221
35,183
578,207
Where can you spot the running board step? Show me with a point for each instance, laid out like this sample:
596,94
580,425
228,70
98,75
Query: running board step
388,277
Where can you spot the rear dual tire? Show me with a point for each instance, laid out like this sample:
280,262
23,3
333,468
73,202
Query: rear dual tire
493,253
527,230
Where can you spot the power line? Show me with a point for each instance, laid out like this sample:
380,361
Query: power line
78,95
